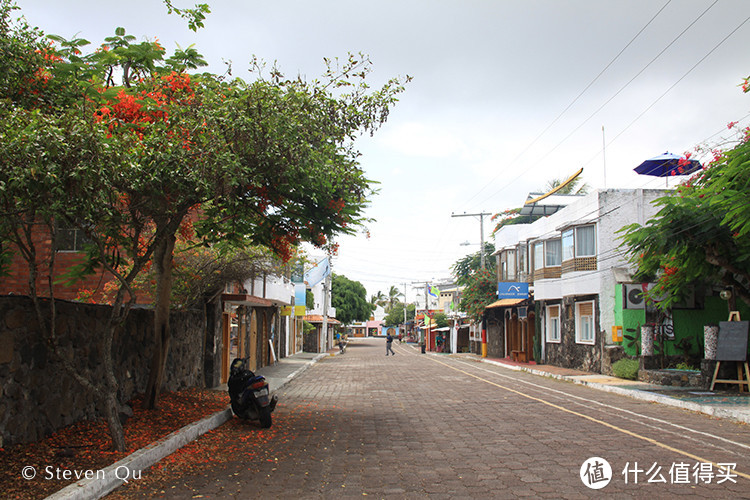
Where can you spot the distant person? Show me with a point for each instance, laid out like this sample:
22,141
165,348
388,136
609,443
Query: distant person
340,342
389,344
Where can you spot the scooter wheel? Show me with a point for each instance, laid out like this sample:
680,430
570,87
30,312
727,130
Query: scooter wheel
265,417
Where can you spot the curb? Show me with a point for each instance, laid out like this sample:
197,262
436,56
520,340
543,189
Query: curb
724,413
117,474
108,479
299,370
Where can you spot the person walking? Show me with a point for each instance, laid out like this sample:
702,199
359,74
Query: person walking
388,344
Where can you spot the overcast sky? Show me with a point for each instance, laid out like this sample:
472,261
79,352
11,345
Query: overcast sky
506,96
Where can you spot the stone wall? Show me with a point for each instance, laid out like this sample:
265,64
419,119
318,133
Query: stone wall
568,353
37,396
495,333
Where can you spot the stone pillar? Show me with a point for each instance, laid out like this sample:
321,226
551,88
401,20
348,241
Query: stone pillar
711,337
647,340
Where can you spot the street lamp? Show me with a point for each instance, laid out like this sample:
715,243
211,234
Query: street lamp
481,216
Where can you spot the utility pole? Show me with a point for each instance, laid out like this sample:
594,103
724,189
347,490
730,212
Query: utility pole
426,310
405,285
481,216
481,255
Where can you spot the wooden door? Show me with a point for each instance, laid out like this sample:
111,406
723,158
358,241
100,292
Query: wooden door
226,326
253,340
530,332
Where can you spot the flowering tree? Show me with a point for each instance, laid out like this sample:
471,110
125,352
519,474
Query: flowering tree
133,151
464,268
700,234
480,291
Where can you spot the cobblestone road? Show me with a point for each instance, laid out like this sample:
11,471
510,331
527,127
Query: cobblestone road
417,426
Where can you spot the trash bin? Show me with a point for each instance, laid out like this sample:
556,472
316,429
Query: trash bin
423,348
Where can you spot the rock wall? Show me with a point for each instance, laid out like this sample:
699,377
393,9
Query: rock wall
568,353
37,396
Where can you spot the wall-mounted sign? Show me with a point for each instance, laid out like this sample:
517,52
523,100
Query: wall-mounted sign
512,290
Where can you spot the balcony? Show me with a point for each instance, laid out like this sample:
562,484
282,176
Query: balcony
277,289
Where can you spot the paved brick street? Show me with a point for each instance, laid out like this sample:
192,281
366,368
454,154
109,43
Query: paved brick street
416,426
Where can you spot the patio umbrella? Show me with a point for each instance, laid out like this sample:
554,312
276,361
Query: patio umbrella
667,165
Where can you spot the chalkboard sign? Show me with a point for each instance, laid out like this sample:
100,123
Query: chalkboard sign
732,342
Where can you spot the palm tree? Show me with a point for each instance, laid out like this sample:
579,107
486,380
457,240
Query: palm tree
378,300
573,187
393,295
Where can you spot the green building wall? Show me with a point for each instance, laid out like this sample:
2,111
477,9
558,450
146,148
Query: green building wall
687,323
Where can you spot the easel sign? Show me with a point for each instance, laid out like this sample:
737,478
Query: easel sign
732,346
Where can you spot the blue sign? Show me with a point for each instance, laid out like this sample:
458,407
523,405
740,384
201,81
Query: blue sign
512,290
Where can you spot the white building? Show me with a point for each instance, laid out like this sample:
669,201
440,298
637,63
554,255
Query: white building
572,260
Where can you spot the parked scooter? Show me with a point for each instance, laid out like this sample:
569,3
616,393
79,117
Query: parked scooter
249,394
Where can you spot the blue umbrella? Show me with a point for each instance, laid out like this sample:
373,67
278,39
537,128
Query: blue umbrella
667,165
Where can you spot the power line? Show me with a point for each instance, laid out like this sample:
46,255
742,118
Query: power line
570,105
617,93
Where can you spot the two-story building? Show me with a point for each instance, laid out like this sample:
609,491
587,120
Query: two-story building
571,262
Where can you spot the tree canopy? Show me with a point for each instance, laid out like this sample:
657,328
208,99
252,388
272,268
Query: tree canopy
396,315
464,268
480,291
350,300
699,237
126,145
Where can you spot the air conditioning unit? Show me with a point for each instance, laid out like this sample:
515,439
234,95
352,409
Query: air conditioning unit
633,297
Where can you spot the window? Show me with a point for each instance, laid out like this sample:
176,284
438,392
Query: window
538,255
511,263
585,241
553,253
585,322
553,323
508,265
568,249
522,267
69,238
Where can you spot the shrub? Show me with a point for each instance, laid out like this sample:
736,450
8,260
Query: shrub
626,368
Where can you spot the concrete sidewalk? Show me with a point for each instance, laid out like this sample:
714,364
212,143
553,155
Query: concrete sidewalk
286,369
277,375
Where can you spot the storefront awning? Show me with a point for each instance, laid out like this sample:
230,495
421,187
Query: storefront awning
505,303
243,299
318,318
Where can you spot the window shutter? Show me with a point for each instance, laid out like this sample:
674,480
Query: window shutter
586,308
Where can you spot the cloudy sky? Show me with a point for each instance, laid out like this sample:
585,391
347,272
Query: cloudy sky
506,96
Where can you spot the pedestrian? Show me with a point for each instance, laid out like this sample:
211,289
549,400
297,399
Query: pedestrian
388,344
340,342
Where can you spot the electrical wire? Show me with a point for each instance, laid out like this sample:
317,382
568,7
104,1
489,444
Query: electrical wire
570,105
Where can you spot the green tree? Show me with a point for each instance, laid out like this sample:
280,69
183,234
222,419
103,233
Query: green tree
464,268
480,291
393,295
134,162
576,186
396,315
440,319
350,300
378,300
700,234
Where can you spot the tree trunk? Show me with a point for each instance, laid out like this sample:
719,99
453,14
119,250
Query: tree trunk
112,409
163,256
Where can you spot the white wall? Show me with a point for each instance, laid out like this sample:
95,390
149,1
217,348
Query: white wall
611,210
